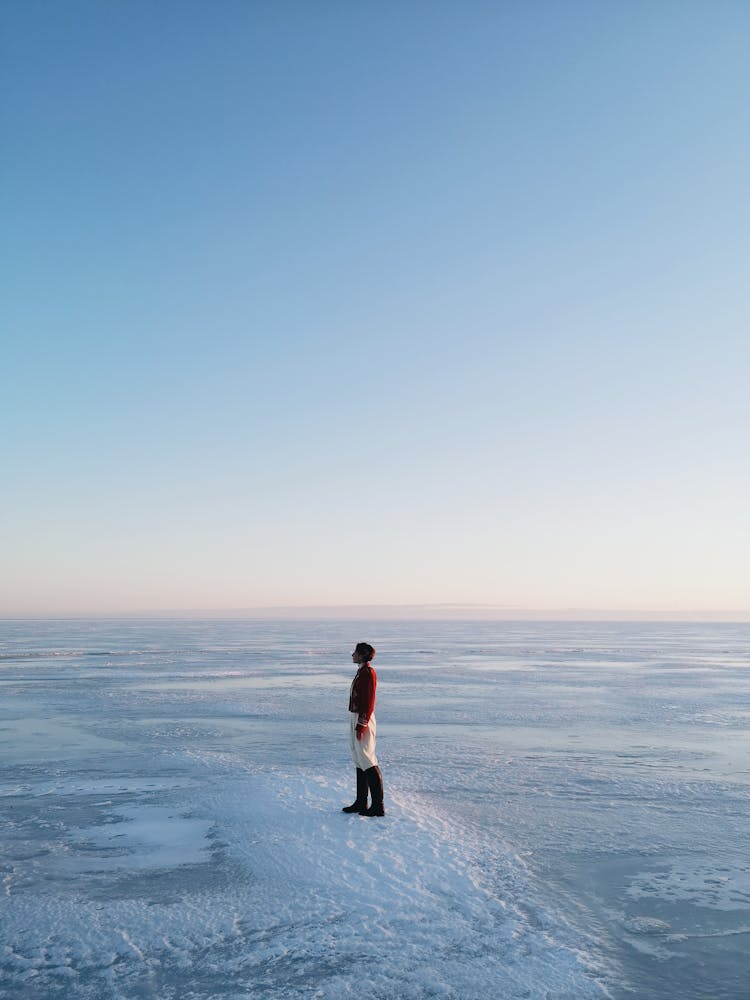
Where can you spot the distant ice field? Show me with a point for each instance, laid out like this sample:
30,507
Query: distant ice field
568,811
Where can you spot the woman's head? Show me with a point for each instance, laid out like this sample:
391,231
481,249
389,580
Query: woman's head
363,652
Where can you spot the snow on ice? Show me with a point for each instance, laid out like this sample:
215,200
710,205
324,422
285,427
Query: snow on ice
567,812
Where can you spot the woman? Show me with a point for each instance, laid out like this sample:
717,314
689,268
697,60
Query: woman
362,731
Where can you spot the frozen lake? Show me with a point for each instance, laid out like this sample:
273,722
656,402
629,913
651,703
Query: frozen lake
568,811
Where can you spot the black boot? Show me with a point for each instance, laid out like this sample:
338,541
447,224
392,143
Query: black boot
375,781
361,802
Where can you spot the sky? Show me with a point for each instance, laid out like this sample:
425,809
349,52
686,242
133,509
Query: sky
398,303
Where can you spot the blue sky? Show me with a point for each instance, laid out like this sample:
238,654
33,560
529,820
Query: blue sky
334,303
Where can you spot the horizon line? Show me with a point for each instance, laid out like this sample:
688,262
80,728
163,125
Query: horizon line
437,611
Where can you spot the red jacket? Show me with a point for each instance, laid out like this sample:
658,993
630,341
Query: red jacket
362,694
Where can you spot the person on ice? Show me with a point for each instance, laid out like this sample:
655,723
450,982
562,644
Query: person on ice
362,732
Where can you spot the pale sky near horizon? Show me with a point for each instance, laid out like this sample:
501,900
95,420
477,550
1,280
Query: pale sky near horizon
356,303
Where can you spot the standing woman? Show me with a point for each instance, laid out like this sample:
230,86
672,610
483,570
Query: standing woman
362,732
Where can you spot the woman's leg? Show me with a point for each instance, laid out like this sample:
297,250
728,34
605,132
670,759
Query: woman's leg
361,765
360,802
375,783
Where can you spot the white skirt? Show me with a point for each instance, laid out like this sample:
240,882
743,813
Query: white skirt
363,751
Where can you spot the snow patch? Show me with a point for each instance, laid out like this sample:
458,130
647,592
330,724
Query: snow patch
711,885
319,904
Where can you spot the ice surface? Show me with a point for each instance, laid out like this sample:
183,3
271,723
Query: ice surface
716,885
567,812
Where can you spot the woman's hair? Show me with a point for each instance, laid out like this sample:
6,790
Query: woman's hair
365,649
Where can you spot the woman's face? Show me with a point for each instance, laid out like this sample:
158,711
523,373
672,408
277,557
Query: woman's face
357,657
